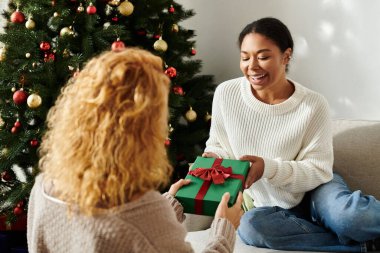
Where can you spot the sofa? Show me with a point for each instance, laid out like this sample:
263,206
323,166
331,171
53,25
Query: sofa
356,158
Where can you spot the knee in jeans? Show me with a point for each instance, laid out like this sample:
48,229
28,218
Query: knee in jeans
350,220
250,230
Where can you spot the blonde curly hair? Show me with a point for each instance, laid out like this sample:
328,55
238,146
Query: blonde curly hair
106,132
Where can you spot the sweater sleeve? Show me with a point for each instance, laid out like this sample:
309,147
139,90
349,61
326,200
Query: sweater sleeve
217,129
178,208
222,233
222,237
313,164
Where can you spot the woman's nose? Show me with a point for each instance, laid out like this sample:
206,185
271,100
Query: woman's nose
253,64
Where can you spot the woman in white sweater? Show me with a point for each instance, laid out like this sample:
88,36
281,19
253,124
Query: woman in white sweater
283,129
103,159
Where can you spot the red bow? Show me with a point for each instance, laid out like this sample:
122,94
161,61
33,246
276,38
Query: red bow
217,174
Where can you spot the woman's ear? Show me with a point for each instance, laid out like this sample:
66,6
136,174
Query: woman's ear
287,55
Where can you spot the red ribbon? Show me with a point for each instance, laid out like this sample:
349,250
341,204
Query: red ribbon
217,175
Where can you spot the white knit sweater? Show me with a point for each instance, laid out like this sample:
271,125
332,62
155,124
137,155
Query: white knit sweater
294,138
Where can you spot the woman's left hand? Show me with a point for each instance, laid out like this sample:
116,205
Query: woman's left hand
256,171
177,185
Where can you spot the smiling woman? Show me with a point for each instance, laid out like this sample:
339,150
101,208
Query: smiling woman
284,130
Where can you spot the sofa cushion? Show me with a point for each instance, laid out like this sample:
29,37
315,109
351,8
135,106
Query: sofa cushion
357,154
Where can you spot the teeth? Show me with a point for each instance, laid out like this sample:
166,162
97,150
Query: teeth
258,76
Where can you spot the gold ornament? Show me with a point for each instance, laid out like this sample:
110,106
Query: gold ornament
160,45
126,8
30,24
207,117
55,14
4,152
191,115
66,31
34,64
80,8
27,55
66,53
13,89
175,28
2,123
114,2
3,54
34,101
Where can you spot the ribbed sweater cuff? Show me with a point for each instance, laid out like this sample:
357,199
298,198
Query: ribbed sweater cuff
222,227
178,208
270,168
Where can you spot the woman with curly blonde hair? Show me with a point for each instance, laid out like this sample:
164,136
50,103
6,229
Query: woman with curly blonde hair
103,159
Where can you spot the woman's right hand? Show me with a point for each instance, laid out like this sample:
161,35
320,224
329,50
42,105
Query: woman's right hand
233,213
210,154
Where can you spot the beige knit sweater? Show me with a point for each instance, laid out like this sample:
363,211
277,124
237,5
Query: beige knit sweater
150,224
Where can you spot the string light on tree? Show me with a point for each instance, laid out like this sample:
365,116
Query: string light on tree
191,115
126,8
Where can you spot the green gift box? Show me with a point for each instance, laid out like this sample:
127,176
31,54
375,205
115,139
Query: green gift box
203,196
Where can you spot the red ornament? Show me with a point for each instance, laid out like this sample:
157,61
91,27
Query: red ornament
45,46
18,211
167,142
6,176
115,19
34,143
171,72
171,9
117,45
49,57
20,97
91,9
156,36
14,130
17,124
193,51
17,17
178,90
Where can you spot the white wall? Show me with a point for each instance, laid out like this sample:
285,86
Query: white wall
337,45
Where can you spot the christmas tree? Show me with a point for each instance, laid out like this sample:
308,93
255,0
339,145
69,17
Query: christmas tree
46,42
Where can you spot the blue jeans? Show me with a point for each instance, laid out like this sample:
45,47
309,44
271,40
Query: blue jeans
329,218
